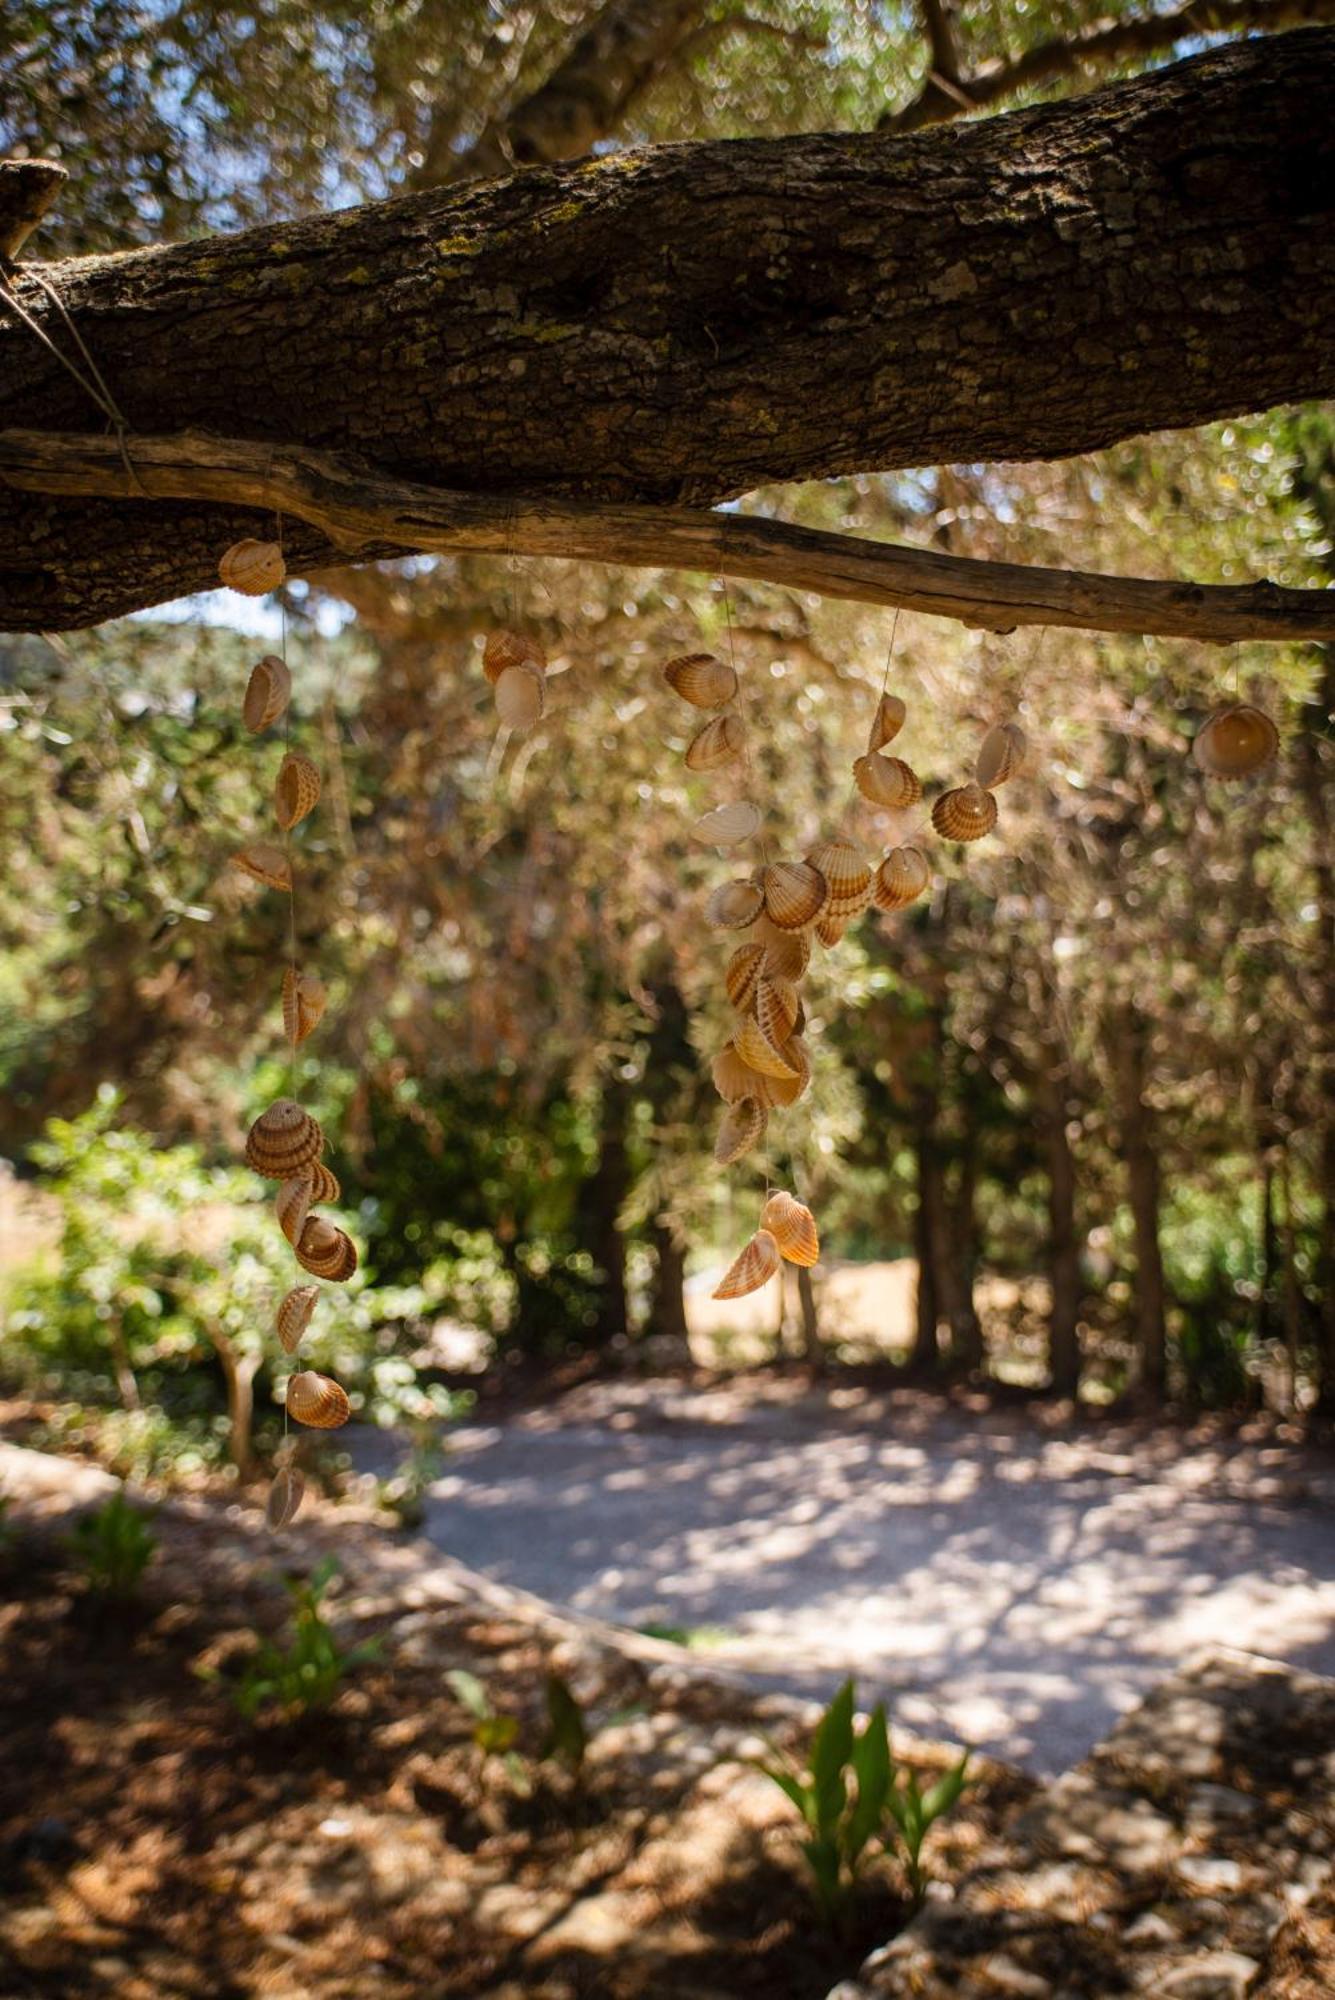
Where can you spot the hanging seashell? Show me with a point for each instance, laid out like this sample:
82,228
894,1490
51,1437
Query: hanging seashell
294,1315
795,894
324,1184
264,862
741,1127
511,649
846,872
701,679
296,789
285,1497
965,814
283,1140
733,906
754,1268
782,1091
787,953
268,692
520,695
326,1251
1003,752
777,1004
887,781
317,1400
293,1205
304,1001
720,742
1235,742
886,723
831,929
253,568
727,826
793,1227
734,1078
757,1050
741,973
901,878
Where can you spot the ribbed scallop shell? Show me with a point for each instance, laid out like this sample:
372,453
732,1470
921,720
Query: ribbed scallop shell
777,1004
264,862
511,649
782,1091
728,825
317,1400
268,692
253,568
846,872
296,789
701,679
886,723
787,953
304,1001
754,1268
901,878
292,1205
967,813
1235,742
294,1315
887,781
793,1227
734,1078
733,906
326,1251
756,1049
520,694
830,930
795,894
741,973
741,1127
324,1184
1002,753
283,1140
719,742
285,1497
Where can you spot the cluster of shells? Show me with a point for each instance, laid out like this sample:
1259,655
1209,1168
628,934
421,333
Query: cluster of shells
285,1143
516,666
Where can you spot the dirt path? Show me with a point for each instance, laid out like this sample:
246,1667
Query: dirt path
1011,1586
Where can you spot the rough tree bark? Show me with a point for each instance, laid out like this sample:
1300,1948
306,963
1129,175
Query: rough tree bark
689,322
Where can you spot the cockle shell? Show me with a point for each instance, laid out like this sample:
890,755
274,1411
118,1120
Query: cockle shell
886,723
1235,742
701,679
757,1050
901,878
511,649
719,742
727,825
781,1091
264,862
324,1184
741,1127
268,692
283,1140
795,894
777,1004
304,1000
967,813
831,929
846,872
742,972
1003,752
294,1315
253,568
886,781
292,1205
753,1268
520,694
285,1497
325,1250
296,789
787,953
317,1400
734,1078
734,905
793,1227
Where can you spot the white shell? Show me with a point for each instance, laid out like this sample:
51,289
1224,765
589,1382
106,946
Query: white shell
727,825
734,905
520,694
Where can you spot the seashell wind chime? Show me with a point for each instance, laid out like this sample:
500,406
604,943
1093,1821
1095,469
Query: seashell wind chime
285,1144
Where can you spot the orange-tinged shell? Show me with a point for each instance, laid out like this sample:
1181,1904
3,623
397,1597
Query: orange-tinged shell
741,1127
886,723
887,781
901,878
511,649
1002,753
787,953
285,1497
324,1184
753,1268
294,1315
701,679
777,1003
293,1205
782,1091
846,872
734,1079
326,1251
1235,742
967,813
283,1140
741,973
719,742
733,906
317,1400
727,825
264,862
520,695
757,1050
830,930
795,894
304,1001
793,1227
296,789
253,568
268,692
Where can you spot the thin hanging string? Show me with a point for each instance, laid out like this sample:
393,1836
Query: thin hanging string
96,389
288,851
743,704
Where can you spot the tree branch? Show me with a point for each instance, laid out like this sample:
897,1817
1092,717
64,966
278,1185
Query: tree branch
369,515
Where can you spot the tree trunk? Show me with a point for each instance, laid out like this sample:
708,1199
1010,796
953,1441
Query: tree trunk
1127,1036
959,1254
239,1372
667,1301
813,1347
1029,286
1063,1243
598,1209
928,1221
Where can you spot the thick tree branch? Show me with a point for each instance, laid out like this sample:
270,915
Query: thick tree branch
365,514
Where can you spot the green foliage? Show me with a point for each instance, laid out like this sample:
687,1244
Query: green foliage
305,1675
915,1812
566,1738
494,1732
113,1546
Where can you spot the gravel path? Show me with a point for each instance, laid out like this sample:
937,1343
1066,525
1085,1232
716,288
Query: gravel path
999,1582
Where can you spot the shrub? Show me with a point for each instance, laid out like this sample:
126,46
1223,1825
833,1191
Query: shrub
113,1547
306,1675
